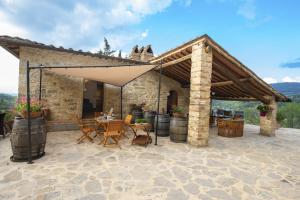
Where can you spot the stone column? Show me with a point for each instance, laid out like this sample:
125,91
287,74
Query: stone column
268,124
199,108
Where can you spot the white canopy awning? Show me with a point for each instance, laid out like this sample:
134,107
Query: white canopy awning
115,75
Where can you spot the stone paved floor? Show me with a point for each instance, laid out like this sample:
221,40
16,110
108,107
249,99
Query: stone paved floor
251,167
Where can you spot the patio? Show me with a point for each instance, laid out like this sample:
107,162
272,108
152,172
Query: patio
250,167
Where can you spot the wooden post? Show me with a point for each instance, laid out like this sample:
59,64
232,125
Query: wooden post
121,102
158,101
28,113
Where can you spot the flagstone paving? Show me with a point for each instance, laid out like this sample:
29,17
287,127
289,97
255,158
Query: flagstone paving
251,167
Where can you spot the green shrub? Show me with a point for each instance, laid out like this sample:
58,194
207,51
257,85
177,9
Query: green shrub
140,120
178,109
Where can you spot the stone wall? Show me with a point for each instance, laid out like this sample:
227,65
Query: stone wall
63,93
144,90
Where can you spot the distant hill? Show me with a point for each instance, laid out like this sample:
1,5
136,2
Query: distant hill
288,89
7,101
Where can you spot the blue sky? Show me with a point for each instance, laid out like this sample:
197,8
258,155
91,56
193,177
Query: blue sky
264,35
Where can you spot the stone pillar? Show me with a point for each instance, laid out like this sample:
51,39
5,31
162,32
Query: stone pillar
199,108
268,124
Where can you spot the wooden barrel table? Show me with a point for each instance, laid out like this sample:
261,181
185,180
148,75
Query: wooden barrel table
150,116
19,139
163,126
230,128
178,129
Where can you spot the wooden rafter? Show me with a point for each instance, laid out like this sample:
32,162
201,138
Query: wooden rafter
224,83
177,61
233,99
246,87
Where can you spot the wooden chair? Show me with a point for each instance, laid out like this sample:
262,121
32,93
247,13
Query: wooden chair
87,127
98,114
113,131
127,123
99,129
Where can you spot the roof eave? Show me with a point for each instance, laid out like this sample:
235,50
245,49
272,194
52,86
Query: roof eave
7,40
216,46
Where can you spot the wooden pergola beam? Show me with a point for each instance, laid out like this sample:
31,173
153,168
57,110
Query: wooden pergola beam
224,83
173,62
233,99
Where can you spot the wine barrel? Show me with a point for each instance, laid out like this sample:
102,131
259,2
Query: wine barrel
178,129
137,113
163,126
19,139
150,116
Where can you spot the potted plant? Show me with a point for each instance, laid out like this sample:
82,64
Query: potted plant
178,111
263,109
35,108
140,121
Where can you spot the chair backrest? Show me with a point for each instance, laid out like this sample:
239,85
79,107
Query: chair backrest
128,119
97,114
85,123
115,126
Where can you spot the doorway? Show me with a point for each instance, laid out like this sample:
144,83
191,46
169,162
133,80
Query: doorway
93,96
172,101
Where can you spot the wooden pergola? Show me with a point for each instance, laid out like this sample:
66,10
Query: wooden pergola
231,80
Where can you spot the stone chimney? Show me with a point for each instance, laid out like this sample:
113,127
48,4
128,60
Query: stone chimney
135,54
146,53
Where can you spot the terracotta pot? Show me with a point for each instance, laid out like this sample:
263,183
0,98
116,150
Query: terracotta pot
263,114
33,115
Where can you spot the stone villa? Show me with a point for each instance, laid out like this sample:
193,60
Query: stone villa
193,74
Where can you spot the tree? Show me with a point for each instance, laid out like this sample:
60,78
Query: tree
291,114
120,54
107,49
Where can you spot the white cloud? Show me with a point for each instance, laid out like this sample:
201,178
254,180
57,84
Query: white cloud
79,23
270,80
7,28
247,9
145,34
9,68
291,79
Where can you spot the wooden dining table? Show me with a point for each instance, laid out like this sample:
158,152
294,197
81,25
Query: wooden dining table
140,139
104,124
